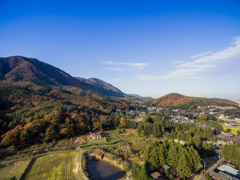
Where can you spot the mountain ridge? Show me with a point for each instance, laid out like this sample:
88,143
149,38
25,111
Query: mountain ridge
176,100
19,68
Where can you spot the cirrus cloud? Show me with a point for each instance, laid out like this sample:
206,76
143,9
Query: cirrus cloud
125,66
208,64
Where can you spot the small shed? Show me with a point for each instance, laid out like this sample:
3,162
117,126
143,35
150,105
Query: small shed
165,167
156,175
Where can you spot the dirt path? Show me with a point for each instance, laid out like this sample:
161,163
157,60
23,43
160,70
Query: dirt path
84,177
75,168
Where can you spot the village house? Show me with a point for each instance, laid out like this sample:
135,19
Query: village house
227,134
237,119
222,116
95,135
228,139
180,141
227,124
220,175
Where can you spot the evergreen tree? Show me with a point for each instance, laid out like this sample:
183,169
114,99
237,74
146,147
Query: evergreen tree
195,157
173,157
154,159
162,129
135,171
196,141
172,134
183,168
143,174
189,160
161,156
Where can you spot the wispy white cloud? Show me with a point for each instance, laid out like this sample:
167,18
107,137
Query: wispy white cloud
200,55
226,61
128,66
119,79
178,62
115,69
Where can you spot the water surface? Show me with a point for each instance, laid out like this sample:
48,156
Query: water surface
102,170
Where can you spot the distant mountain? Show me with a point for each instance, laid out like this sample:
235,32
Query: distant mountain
176,100
18,68
135,95
101,86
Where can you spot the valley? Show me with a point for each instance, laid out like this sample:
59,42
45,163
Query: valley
51,126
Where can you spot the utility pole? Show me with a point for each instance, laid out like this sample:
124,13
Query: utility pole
204,167
219,151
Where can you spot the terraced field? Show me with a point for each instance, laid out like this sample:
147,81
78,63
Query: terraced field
53,167
13,170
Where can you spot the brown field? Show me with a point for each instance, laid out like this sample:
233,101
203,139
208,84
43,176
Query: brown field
74,141
128,133
78,140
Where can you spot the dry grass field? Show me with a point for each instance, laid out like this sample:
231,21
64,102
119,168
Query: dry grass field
128,133
53,167
13,170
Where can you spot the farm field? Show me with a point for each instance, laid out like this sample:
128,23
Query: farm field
15,169
53,167
233,129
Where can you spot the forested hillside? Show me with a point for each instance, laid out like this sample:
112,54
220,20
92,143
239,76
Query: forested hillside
30,113
176,100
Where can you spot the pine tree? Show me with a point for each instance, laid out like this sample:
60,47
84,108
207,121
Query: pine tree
154,160
172,134
195,157
143,174
161,156
189,160
155,131
183,168
173,157
223,151
135,171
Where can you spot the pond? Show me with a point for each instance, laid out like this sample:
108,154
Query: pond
102,170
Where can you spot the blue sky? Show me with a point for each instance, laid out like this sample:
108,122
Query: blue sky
150,48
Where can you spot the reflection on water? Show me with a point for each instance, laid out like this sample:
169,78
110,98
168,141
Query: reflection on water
101,170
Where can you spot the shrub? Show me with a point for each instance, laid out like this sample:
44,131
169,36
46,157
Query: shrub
126,167
208,177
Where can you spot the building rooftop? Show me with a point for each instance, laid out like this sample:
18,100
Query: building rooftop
228,169
220,175
155,175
